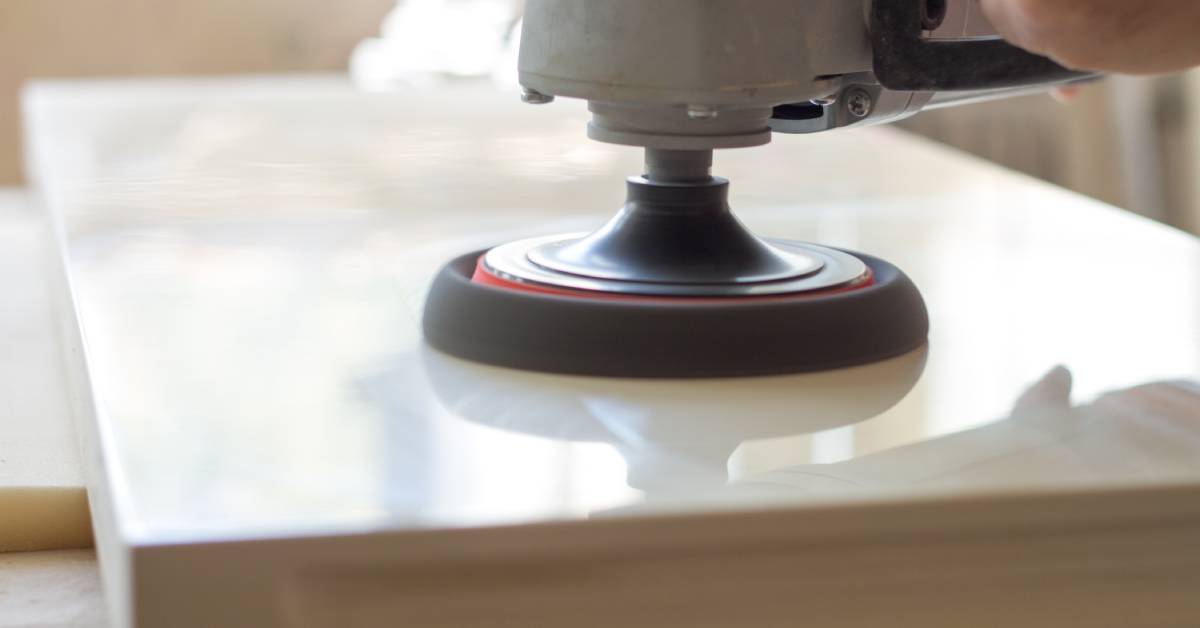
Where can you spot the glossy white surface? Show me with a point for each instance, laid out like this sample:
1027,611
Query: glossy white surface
37,447
250,259
43,505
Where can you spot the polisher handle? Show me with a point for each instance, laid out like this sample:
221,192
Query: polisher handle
905,60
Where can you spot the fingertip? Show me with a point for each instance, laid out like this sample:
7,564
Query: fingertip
1066,94
1051,394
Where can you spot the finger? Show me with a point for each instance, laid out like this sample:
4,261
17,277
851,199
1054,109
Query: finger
1066,94
1049,395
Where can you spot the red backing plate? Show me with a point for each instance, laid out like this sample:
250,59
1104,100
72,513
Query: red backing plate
483,276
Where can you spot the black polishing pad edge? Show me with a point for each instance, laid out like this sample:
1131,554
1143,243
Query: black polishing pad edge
674,339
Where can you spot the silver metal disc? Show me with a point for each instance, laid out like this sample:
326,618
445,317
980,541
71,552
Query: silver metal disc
837,269
790,263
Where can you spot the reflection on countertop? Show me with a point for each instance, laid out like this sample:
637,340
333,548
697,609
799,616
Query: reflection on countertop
675,436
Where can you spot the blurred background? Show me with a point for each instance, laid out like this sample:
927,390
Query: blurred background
1133,142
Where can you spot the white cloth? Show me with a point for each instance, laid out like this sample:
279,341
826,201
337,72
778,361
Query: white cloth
1148,434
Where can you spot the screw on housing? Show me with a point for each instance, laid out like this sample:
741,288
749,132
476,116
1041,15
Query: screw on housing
859,103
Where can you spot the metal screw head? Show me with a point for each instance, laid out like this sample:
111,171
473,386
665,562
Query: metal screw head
534,97
859,103
702,112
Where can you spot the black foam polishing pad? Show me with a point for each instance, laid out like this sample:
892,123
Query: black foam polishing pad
609,336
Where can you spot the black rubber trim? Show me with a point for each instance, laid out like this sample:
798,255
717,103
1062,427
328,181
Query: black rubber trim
674,338
798,112
905,60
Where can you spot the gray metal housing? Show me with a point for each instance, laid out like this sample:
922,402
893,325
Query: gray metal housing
704,74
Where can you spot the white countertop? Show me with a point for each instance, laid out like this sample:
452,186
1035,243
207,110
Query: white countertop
250,257
43,504
35,425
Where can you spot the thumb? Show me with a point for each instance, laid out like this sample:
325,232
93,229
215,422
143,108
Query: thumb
1050,396
1014,20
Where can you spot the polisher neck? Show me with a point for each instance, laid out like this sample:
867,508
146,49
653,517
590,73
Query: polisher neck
678,166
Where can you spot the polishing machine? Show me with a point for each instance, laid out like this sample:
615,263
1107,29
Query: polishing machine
674,286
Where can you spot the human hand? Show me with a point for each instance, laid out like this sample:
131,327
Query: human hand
1133,37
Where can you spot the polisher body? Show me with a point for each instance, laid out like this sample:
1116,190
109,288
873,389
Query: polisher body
675,285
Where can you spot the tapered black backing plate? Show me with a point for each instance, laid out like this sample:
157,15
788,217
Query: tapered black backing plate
684,338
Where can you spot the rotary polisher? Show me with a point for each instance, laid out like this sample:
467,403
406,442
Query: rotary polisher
674,285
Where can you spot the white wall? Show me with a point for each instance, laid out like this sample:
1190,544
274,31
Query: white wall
67,38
